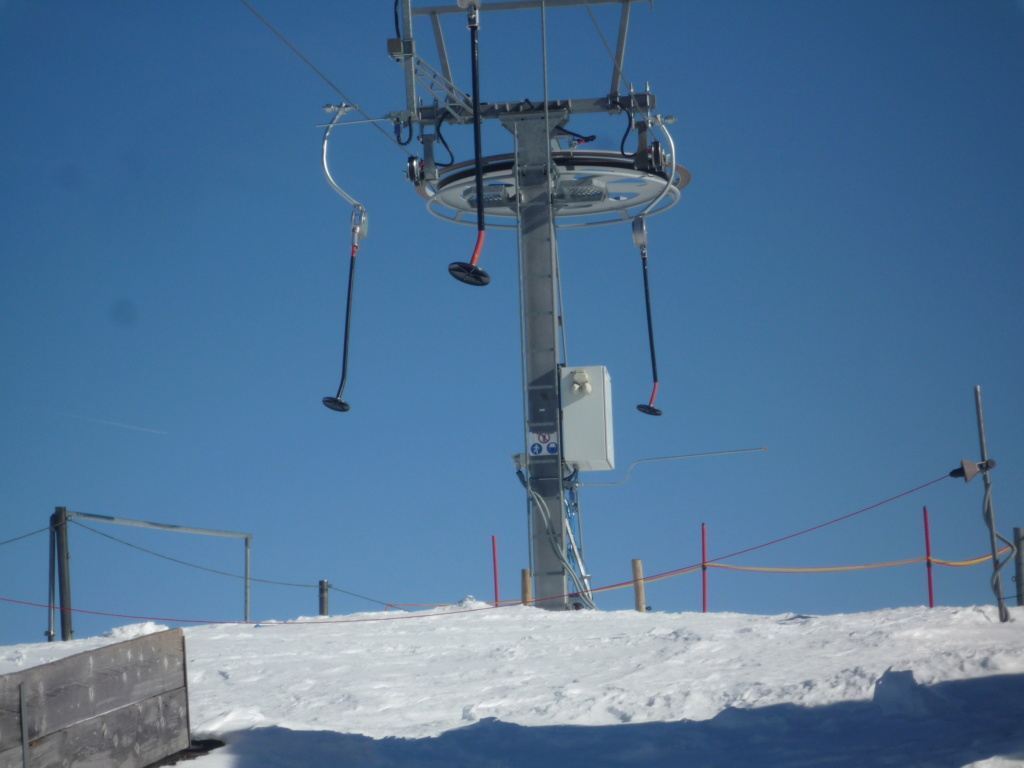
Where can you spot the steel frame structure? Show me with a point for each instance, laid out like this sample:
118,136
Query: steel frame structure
526,186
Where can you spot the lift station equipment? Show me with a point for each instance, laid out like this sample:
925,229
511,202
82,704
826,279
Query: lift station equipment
546,184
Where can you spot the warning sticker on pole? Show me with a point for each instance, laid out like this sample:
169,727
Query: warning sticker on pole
543,444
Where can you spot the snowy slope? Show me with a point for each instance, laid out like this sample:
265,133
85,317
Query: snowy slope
471,686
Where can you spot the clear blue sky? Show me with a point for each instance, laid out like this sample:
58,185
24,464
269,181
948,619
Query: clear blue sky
844,268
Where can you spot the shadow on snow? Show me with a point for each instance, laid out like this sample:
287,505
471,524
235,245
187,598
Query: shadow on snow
949,724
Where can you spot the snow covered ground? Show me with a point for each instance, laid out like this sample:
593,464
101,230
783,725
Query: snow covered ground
473,686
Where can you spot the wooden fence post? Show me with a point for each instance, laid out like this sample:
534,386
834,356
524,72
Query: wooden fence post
527,587
638,586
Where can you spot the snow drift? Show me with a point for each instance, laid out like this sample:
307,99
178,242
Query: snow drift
474,686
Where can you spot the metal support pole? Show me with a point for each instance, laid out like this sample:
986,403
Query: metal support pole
928,559
324,609
704,565
52,591
989,514
541,358
67,631
1018,541
620,51
248,574
408,60
494,560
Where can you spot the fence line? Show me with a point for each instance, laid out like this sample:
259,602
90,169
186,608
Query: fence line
505,604
844,568
716,563
220,573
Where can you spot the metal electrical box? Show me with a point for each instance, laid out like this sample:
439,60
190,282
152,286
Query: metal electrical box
587,439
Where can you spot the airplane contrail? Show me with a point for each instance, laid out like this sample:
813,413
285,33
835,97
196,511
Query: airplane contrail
102,421
119,424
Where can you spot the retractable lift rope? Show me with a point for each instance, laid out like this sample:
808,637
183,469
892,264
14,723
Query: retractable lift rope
469,272
359,226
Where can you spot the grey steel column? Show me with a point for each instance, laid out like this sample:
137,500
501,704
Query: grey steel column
541,359
60,525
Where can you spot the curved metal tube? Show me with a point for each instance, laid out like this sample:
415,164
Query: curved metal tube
671,172
327,171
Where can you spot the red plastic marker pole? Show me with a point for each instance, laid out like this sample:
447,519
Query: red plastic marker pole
704,562
494,557
928,559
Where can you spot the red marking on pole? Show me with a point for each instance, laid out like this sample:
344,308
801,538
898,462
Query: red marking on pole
494,557
478,248
928,559
654,394
704,562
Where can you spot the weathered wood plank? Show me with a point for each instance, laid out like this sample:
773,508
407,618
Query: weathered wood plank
130,737
80,687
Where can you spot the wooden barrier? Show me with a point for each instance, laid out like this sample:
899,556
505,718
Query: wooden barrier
122,705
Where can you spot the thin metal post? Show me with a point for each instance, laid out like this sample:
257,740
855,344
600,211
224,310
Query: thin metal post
704,564
620,51
494,559
67,631
324,608
52,592
1018,541
408,61
248,574
928,559
989,514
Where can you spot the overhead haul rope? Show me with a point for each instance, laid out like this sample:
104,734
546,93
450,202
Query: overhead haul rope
336,89
24,536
